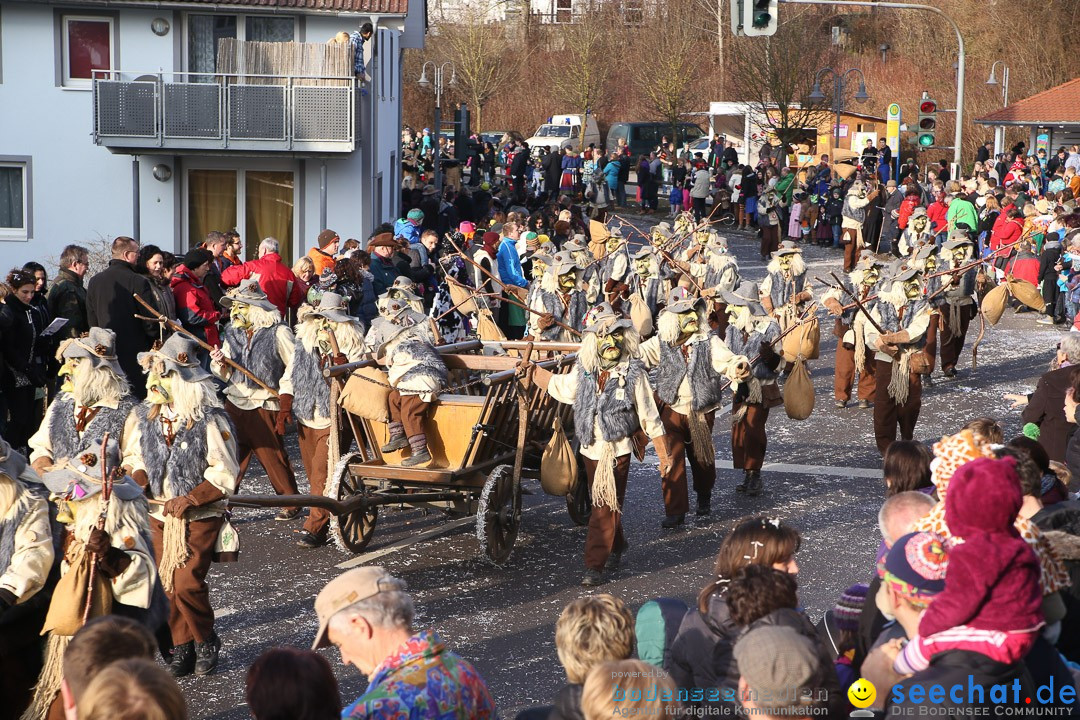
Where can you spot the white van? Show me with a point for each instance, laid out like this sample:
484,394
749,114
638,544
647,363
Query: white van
564,131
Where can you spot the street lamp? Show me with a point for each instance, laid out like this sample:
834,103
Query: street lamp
999,131
817,96
438,71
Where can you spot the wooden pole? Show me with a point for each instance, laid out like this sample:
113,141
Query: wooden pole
106,495
175,327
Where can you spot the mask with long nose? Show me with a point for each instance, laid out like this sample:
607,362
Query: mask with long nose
159,388
67,372
610,348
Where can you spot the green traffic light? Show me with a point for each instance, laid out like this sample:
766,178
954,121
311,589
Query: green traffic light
926,140
762,19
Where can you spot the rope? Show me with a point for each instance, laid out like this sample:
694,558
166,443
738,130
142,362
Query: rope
445,391
174,551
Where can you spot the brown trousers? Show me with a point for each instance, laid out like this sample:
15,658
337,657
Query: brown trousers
852,248
770,239
673,485
888,414
190,614
255,435
844,380
409,410
748,440
315,454
952,339
605,534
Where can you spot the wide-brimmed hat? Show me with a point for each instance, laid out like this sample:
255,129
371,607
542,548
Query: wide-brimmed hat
98,346
12,463
748,294
248,292
406,286
903,271
80,476
956,241
643,253
333,306
563,262
382,240
180,355
918,212
573,246
680,300
603,320
787,248
869,259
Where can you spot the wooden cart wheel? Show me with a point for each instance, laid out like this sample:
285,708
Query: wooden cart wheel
497,521
579,499
352,531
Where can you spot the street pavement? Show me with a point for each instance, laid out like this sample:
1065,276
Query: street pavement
822,476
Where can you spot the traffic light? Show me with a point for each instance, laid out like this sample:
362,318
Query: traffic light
927,129
461,132
759,17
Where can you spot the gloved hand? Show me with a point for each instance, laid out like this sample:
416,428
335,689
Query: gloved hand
545,321
140,477
99,542
741,371
833,306
178,506
284,414
42,465
340,359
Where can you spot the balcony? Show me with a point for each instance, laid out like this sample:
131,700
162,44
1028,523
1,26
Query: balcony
253,113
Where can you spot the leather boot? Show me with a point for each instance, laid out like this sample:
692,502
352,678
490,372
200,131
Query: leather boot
673,521
741,487
183,660
420,453
206,655
753,486
704,504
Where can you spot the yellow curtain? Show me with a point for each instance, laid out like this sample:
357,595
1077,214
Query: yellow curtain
211,203
269,211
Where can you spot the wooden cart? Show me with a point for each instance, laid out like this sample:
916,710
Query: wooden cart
485,433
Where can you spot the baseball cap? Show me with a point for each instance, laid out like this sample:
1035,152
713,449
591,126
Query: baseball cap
350,587
778,662
326,236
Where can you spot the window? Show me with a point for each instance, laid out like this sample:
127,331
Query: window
14,199
205,32
87,44
564,11
633,12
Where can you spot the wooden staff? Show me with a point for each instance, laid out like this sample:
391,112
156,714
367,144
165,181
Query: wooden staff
859,305
510,297
660,249
333,444
175,327
106,496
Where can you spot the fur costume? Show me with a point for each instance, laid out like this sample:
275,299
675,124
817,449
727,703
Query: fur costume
696,365
307,367
855,202
63,436
177,469
890,303
617,417
779,286
258,351
721,271
569,309
745,335
415,366
911,238
652,289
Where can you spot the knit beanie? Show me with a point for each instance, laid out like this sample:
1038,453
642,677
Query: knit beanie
197,258
416,214
849,607
915,567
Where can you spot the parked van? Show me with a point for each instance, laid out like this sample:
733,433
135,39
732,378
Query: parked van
564,131
644,137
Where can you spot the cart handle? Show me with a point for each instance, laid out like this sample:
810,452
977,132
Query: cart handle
451,349
508,375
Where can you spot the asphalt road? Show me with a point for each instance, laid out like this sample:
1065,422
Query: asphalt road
825,481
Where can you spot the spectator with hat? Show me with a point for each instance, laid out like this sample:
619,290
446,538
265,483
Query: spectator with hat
408,227
840,627
384,269
322,256
194,306
366,613
781,673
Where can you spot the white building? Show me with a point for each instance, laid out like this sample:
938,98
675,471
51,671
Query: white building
108,129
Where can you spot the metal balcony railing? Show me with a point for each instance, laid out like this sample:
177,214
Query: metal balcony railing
193,111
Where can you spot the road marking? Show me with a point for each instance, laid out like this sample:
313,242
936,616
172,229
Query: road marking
406,542
834,471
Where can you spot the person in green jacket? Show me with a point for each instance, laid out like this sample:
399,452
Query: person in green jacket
960,212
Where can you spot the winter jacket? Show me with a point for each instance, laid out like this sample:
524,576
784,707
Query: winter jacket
510,264
321,261
404,228
163,298
20,334
110,304
1063,521
834,209
1046,408
701,184
276,279
383,273
702,655
567,704
611,173
67,299
1050,256
961,668
936,212
961,212
196,311
1006,233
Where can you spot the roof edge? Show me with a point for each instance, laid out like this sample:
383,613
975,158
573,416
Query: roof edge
219,5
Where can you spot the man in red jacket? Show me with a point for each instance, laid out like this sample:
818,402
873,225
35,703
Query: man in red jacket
276,279
194,307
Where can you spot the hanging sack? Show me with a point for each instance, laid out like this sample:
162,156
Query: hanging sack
65,615
1026,293
227,545
640,316
995,302
558,465
799,392
366,394
804,340
486,328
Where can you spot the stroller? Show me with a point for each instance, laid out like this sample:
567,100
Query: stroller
725,213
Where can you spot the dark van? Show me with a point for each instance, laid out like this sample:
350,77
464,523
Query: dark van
644,137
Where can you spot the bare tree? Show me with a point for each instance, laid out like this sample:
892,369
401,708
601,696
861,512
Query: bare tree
581,74
775,76
671,64
486,59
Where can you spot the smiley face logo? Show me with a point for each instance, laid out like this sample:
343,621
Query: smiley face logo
862,692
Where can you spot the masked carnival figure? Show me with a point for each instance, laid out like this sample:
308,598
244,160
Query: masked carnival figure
751,333
689,364
94,399
917,232
561,300
125,574
256,339
416,373
903,313
853,356
784,291
614,270
612,399
181,445
647,281
959,295
589,279
27,554
319,329
853,217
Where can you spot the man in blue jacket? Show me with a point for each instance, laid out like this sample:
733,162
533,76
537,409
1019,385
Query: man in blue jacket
512,317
